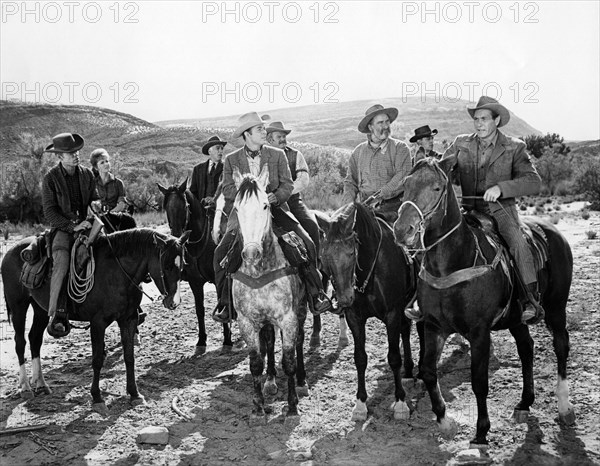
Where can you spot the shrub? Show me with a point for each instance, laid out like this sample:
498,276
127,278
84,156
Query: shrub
523,207
555,218
591,234
585,214
588,182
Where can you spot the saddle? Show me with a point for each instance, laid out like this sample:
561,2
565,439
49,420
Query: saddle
36,262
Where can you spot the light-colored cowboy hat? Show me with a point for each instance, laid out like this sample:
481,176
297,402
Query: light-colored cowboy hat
486,102
213,141
65,142
247,121
423,132
372,112
277,126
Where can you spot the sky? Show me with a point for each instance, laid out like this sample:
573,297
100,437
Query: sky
160,60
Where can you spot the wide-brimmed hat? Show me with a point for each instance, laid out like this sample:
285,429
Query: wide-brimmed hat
277,126
423,132
247,121
486,102
213,141
65,142
372,112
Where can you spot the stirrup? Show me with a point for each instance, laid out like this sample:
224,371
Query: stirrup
59,325
413,314
221,314
532,314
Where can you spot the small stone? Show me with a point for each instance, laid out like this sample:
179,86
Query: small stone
278,454
153,434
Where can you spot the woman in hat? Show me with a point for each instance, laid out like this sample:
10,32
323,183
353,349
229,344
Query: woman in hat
110,188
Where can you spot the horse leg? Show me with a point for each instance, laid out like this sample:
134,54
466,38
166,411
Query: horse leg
127,329
267,347
315,336
301,385
421,333
18,311
525,349
392,324
343,339
480,361
357,327
36,338
252,338
405,328
434,344
97,331
197,287
289,333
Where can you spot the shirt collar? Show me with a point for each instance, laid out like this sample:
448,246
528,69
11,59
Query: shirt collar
382,146
64,170
252,153
492,143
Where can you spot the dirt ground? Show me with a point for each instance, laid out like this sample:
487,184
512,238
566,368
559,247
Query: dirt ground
214,391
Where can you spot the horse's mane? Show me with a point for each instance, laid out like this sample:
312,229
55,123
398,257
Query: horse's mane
130,242
425,161
366,225
248,187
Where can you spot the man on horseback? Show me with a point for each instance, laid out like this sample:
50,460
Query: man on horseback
277,137
493,169
378,166
423,137
206,175
67,192
250,159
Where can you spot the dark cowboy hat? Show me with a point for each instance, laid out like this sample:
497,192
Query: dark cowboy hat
277,126
423,132
486,102
213,141
372,112
65,142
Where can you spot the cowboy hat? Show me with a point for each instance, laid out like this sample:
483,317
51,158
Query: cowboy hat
247,121
486,102
277,126
65,142
423,132
372,112
213,141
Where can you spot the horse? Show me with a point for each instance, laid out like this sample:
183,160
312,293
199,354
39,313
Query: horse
267,292
122,260
372,277
117,221
219,225
464,287
185,212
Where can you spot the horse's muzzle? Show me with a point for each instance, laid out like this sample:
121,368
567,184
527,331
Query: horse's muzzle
251,253
405,234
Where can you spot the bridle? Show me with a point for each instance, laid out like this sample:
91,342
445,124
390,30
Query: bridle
423,217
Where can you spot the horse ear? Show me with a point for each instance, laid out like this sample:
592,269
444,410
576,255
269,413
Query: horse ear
237,177
185,236
182,187
162,188
448,163
263,178
161,243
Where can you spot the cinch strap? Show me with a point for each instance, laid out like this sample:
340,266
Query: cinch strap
265,279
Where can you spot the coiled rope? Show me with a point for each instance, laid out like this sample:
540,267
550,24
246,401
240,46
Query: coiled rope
80,285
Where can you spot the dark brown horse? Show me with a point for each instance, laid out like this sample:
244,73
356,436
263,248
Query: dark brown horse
185,212
372,277
463,288
122,260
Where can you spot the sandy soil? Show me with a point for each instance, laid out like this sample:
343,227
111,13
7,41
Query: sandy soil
214,390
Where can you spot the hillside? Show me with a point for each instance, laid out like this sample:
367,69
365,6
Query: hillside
335,124
134,140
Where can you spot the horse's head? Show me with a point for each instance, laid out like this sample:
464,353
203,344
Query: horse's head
425,201
176,206
166,271
338,253
253,211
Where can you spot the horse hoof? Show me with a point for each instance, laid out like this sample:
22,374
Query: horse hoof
448,427
343,342
482,447
520,416
45,390
270,387
476,454
359,413
302,391
568,418
100,408
27,395
401,411
200,350
138,401
225,349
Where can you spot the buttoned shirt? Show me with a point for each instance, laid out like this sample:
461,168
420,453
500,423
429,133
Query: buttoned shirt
373,169
253,162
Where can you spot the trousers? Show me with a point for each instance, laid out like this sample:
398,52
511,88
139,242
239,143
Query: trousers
61,247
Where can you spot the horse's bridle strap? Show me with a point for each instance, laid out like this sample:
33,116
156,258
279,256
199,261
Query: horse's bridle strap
259,282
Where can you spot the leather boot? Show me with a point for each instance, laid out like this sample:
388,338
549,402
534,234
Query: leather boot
533,312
